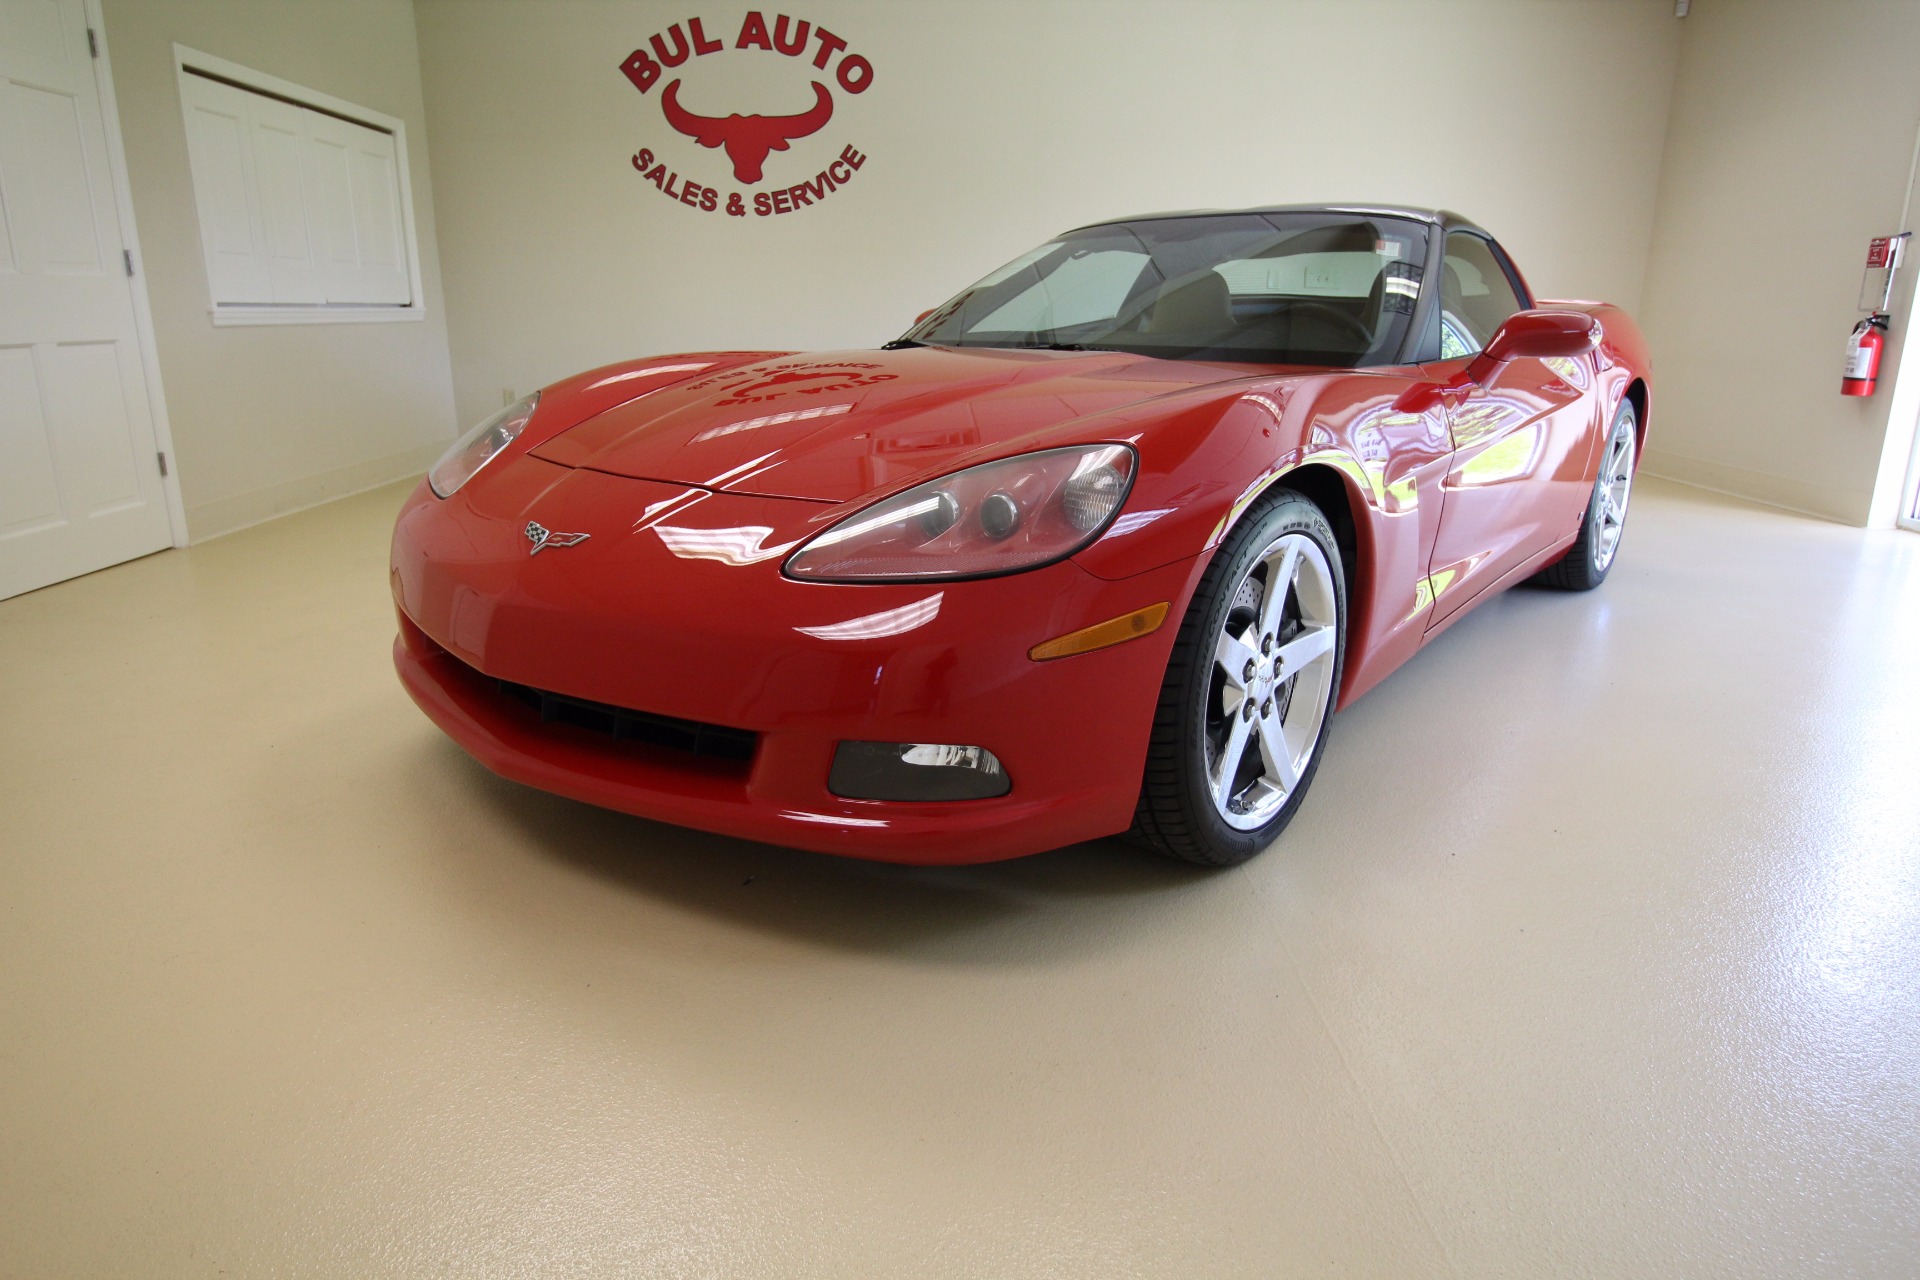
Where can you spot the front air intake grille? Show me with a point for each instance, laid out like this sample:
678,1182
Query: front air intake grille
623,725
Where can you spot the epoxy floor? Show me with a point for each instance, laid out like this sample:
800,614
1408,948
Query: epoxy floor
1595,952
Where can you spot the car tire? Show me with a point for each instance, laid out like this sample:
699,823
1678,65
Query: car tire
1223,780
1591,557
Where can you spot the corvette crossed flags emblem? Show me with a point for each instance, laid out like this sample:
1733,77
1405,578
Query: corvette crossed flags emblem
542,537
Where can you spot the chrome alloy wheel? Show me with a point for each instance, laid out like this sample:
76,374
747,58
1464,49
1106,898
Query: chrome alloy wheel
1272,684
1611,491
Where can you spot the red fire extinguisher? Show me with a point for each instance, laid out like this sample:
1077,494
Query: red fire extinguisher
1865,345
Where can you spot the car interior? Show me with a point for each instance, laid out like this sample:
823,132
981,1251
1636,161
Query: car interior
1260,289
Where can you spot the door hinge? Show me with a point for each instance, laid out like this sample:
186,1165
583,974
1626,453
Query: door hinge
163,464
126,256
93,43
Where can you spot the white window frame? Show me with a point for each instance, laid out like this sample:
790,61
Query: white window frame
185,62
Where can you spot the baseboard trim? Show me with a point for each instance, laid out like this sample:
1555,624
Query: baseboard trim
1797,496
208,520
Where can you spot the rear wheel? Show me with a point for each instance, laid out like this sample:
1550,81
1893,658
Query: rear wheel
1249,691
1585,565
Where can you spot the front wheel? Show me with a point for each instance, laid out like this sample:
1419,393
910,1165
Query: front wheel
1249,691
1585,565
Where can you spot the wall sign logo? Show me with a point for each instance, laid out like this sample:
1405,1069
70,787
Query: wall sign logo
749,141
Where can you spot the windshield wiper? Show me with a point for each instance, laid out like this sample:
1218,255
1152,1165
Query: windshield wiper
1023,346
900,344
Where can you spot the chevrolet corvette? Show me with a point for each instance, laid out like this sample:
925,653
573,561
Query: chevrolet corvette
1096,548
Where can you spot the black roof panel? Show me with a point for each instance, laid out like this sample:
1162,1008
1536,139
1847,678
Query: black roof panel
1435,217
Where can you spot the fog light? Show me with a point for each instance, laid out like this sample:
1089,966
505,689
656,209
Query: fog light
916,771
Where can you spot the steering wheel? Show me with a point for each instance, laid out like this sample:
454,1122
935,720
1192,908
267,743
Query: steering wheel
1339,317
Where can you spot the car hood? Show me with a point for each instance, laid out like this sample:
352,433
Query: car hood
833,426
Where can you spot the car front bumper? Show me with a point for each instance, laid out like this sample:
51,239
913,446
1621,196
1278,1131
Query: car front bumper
697,623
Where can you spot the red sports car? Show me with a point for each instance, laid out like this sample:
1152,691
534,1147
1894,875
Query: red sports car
1096,548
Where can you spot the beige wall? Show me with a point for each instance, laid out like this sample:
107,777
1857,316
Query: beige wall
991,126
1791,137
271,418
1730,202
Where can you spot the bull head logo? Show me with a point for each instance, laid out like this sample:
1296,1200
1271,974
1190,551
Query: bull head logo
748,139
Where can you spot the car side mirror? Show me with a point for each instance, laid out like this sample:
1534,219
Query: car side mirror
1538,335
1542,335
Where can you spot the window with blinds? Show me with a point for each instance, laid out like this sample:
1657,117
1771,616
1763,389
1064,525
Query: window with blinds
305,214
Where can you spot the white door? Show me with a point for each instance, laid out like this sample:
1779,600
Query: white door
80,478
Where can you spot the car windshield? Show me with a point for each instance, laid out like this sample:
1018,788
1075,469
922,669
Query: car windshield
1323,288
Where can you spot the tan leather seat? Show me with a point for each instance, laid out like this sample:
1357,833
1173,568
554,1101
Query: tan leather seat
1202,309
1371,308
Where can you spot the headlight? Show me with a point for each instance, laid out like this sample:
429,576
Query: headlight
479,446
999,517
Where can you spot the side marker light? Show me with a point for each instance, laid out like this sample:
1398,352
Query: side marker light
1102,635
